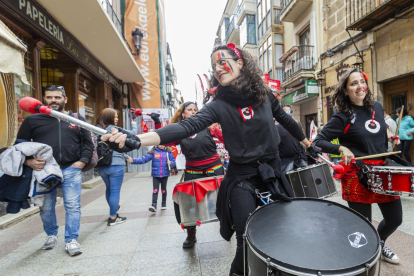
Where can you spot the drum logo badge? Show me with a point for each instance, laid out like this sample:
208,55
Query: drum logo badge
357,240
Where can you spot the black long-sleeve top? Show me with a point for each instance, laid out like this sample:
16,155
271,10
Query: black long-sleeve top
248,138
366,135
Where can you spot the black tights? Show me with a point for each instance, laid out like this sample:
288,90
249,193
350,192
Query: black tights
243,203
391,211
404,147
156,181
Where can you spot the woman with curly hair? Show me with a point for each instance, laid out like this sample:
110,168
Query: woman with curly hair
245,108
360,126
202,159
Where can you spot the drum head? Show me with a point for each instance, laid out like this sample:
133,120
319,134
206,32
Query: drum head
311,235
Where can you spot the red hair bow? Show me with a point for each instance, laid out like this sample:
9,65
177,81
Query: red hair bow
232,47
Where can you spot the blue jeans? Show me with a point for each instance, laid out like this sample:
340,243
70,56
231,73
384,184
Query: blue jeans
71,190
113,176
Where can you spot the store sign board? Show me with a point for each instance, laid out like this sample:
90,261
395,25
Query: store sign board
37,17
308,91
143,14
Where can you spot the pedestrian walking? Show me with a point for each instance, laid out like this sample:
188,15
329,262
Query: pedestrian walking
162,161
72,149
405,132
392,128
113,174
245,108
360,126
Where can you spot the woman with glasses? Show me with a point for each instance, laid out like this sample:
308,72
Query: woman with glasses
245,108
202,159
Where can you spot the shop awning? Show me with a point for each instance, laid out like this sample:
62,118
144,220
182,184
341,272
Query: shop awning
309,90
90,24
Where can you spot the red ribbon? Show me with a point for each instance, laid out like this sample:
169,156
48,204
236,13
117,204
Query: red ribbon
232,47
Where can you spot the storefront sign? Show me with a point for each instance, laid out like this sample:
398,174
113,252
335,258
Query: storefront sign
37,17
142,14
308,91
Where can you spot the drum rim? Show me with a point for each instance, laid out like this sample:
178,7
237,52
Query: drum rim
203,178
311,272
306,168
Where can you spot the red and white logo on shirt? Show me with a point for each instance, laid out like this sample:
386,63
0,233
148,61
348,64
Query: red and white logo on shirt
157,156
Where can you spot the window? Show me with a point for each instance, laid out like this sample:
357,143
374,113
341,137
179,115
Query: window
279,50
304,37
264,16
248,30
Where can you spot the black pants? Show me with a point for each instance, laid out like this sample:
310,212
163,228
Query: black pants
404,147
391,211
243,203
156,181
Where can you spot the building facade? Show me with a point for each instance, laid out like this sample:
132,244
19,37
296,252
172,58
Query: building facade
302,21
73,53
174,97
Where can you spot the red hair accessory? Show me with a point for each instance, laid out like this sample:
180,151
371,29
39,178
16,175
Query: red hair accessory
213,90
365,75
232,47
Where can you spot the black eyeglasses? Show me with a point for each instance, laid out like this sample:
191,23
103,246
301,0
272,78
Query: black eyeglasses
54,88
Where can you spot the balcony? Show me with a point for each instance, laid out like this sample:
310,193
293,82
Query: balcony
245,7
298,63
292,9
364,15
233,32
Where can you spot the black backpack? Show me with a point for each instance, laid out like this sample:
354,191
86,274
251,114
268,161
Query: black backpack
104,154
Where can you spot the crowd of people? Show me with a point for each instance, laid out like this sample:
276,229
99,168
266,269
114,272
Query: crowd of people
263,141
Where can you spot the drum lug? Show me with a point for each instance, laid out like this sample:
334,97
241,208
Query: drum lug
389,181
319,273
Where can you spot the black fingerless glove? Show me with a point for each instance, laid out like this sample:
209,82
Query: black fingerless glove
314,150
155,117
132,142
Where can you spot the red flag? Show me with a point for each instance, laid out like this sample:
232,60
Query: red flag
144,126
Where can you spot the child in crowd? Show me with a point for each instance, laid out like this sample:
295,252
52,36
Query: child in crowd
162,161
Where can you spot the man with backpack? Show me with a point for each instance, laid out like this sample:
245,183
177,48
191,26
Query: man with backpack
72,149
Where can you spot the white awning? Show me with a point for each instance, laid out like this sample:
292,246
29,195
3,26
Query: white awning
89,23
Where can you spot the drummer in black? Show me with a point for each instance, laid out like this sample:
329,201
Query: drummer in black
202,159
291,152
359,124
245,108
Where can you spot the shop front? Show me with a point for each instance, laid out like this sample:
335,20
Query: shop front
55,57
304,101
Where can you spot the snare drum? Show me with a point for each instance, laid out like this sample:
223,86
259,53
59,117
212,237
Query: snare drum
395,181
197,200
309,237
314,181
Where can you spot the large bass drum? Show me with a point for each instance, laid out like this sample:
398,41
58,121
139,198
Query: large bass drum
309,237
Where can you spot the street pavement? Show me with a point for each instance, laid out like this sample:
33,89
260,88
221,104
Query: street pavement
147,243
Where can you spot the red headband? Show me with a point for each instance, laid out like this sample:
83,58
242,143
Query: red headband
365,75
232,47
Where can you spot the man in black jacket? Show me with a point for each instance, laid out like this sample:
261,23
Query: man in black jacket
72,149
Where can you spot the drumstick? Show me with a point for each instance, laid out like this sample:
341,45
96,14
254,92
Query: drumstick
337,168
375,155
399,122
33,106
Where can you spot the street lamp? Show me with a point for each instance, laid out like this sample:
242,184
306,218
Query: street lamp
137,35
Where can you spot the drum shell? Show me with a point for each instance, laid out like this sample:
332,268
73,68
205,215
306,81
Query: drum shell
401,180
259,267
314,181
191,211
258,262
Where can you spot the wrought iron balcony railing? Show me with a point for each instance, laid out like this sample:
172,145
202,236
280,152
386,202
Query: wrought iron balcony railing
363,15
301,59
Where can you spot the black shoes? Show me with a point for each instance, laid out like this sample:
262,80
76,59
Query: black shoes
164,205
191,238
115,221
